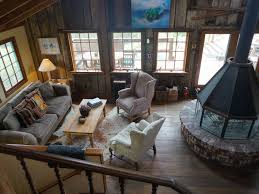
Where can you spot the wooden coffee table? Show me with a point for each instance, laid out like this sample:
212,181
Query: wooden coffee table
87,128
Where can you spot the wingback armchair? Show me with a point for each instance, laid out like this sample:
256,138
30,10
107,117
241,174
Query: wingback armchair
134,141
137,99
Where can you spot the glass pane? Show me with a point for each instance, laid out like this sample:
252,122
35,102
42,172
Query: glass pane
180,47
136,35
75,37
3,50
160,65
76,46
117,35
95,55
1,64
179,65
13,80
137,64
78,55
137,55
85,46
19,76
171,46
3,75
94,47
81,65
84,37
118,55
118,46
16,66
162,46
161,55
213,56
10,70
171,56
162,35
7,60
127,46
254,51
172,36
92,36
181,37
126,35
13,57
7,85
136,46
9,46
170,65
179,55
87,55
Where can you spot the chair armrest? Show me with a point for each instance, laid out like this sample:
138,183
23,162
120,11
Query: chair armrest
17,137
124,93
61,89
142,125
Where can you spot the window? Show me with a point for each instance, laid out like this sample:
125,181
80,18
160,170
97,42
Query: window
85,51
213,56
254,51
171,51
11,70
127,50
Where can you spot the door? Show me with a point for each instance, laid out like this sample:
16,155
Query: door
213,55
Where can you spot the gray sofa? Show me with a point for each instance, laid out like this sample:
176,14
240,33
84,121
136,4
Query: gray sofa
40,131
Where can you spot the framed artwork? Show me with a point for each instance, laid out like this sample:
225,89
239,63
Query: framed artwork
150,13
49,46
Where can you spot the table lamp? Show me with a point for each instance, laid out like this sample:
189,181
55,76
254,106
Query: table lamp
47,66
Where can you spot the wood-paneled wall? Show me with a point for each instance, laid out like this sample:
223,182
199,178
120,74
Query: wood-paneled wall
106,16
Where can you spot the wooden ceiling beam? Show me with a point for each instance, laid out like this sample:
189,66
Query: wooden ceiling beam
21,14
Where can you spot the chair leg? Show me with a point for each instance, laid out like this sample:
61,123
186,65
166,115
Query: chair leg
110,150
149,111
137,166
118,110
154,149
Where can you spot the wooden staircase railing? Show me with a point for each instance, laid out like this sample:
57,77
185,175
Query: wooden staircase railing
21,152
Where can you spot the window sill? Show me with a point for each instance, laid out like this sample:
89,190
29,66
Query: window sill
177,73
87,72
124,71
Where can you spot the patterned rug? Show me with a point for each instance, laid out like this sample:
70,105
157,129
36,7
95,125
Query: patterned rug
107,127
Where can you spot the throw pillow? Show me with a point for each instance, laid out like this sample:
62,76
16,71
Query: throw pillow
11,121
40,107
25,113
46,90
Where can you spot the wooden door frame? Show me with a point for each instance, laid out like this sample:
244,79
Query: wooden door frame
230,50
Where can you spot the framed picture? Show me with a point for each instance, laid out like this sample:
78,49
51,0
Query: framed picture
49,46
150,13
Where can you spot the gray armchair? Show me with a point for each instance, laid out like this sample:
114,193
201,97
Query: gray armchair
137,99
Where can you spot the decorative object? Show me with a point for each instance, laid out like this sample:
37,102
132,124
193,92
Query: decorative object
49,46
150,13
93,103
82,119
137,99
134,141
84,110
47,66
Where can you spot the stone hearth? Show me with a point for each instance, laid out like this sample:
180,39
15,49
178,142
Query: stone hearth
236,153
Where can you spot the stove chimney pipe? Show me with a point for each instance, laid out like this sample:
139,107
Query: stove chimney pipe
247,31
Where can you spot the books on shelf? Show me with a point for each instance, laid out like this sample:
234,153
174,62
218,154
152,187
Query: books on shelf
94,102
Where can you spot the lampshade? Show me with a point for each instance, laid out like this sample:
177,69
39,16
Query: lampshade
46,66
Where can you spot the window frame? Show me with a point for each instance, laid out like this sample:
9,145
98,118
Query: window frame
112,54
186,53
75,70
19,59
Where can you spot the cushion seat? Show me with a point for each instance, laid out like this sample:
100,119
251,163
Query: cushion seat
126,103
42,128
58,105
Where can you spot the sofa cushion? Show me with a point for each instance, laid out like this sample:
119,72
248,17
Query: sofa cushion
4,110
58,105
126,103
32,86
46,90
11,121
42,128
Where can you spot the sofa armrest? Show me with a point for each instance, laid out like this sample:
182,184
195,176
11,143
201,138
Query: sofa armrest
61,89
124,93
17,137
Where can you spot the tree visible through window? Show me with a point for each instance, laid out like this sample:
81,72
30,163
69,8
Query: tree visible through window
171,49
11,72
127,50
85,51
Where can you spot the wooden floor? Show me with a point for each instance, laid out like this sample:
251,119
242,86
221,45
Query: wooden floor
175,159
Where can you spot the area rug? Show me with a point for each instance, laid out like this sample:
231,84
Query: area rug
107,128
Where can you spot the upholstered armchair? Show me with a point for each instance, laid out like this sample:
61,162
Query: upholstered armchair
134,141
137,99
